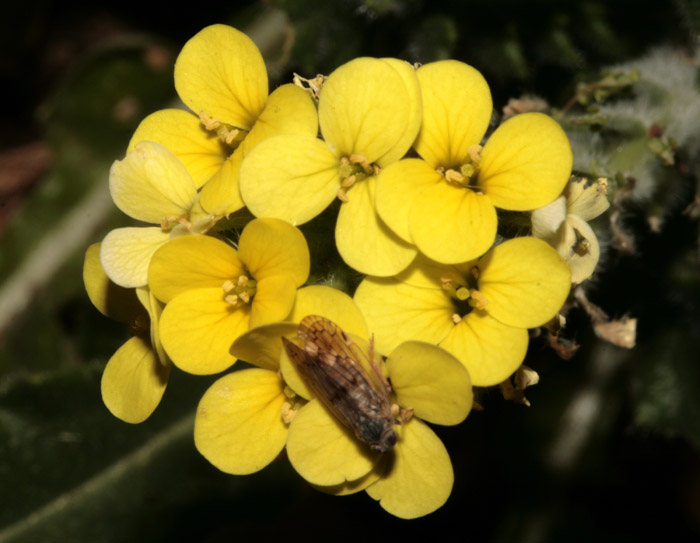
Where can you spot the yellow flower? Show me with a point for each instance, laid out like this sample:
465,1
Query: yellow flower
150,185
479,311
412,480
369,114
214,293
239,426
563,224
444,203
135,377
220,75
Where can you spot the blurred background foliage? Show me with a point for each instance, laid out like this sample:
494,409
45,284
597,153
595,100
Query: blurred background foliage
608,451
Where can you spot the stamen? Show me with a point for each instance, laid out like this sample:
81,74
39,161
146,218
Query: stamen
166,223
361,160
210,123
228,135
456,318
406,414
453,176
478,300
312,86
287,413
474,152
242,291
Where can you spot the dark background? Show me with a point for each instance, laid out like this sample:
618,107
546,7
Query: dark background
608,451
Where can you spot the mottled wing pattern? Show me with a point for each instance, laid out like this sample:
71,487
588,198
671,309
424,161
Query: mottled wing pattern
328,365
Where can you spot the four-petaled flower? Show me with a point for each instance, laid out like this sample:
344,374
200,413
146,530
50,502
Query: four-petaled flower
247,417
369,114
214,293
445,202
135,377
221,76
479,311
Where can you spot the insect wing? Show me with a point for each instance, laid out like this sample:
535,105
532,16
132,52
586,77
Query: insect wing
328,365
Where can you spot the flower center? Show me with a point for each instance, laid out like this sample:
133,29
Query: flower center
352,169
168,223
240,291
228,134
467,173
464,292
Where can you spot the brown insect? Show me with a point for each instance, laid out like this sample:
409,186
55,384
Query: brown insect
329,365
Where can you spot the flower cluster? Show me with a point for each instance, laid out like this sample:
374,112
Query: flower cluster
446,301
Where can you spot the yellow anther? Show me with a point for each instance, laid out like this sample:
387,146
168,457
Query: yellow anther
166,223
476,272
456,318
228,135
478,300
228,286
242,291
210,123
361,160
342,196
453,176
474,152
287,412
348,181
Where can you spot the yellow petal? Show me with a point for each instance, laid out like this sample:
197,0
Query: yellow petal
289,177
134,381
221,195
272,247
262,346
151,184
238,427
117,303
352,487
365,108
408,74
364,241
547,220
220,71
526,163
397,312
456,112
431,381
451,224
154,308
191,262
332,304
323,451
420,478
525,282
273,300
579,248
588,202
288,110
126,254
398,186
197,329
490,350
182,133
